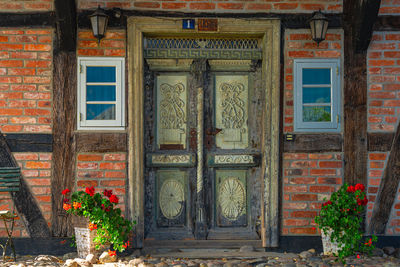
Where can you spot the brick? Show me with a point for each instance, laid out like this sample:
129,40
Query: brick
375,173
304,197
392,54
382,111
45,39
90,174
375,87
304,214
23,39
90,52
87,183
285,6
315,172
376,103
258,6
300,36
302,180
374,54
321,189
392,37
37,79
112,183
146,5
329,180
10,112
303,164
376,164
38,6
11,47
381,62
45,173
118,4
113,43
307,231
391,103
295,172
330,164
314,7
37,165
4,54
173,5
288,189
374,70
295,156
391,119
382,95
22,120
112,166
115,174
37,112
37,47
87,165
327,54
10,79
11,128
37,63
301,54
21,71
44,198
11,63
202,6
295,222
87,43
294,206
374,119
37,95
90,157
320,156
37,128
26,156
392,70
372,190
12,95
114,52
41,182
230,6
382,46
382,79
23,87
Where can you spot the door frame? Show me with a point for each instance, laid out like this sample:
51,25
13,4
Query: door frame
268,30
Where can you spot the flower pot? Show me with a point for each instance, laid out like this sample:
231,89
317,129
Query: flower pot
84,241
329,247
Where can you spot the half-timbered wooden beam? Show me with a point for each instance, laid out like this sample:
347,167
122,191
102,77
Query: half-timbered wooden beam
64,112
355,14
368,14
387,190
38,19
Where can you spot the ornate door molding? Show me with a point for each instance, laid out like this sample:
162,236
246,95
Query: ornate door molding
269,32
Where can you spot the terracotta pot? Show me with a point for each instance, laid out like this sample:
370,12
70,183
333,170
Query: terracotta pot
329,247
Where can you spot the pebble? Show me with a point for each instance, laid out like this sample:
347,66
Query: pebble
307,258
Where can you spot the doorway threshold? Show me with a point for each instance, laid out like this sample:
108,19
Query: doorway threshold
203,244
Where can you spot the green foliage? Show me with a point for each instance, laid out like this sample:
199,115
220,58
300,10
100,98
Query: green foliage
104,217
343,213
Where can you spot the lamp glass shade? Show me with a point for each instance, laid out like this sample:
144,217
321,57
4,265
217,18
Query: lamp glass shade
319,27
99,22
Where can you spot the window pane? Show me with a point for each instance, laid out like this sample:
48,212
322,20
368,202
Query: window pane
316,95
100,112
100,93
316,113
100,74
316,76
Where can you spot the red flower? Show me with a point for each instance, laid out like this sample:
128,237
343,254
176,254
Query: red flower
327,203
92,226
107,193
360,187
65,200
351,189
77,205
90,190
112,253
65,191
358,256
67,206
114,199
360,202
365,201
126,244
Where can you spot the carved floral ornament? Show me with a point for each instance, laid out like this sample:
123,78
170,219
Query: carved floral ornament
172,113
171,198
232,198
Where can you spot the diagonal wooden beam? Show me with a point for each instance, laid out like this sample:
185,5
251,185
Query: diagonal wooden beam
387,190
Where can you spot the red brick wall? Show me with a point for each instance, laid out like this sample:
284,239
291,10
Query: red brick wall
26,5
298,44
36,171
276,6
103,171
389,7
383,81
114,44
376,166
25,80
307,180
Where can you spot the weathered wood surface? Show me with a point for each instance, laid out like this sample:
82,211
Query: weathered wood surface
29,142
66,25
366,17
38,19
314,143
355,97
101,142
64,145
387,189
380,141
24,201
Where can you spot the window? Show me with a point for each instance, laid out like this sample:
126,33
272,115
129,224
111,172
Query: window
101,93
316,95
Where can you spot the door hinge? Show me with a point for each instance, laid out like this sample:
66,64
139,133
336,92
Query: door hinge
337,118
80,116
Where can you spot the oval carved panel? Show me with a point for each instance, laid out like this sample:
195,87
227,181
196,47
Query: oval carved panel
232,198
171,198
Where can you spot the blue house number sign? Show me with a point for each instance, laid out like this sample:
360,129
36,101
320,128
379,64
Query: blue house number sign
188,24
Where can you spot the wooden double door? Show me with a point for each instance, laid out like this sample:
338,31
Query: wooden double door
202,141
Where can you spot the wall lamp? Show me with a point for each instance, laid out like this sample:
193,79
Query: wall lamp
99,20
319,26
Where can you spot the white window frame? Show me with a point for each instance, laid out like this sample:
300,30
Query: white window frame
119,122
335,124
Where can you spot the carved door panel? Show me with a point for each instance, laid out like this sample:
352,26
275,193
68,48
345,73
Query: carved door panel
202,145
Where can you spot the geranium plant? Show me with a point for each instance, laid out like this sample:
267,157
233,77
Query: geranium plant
103,215
343,215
